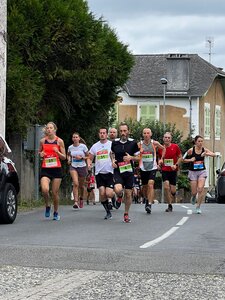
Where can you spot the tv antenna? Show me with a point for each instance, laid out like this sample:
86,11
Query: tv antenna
210,44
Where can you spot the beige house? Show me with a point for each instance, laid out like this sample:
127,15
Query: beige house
193,98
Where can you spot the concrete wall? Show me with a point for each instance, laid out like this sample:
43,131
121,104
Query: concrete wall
24,168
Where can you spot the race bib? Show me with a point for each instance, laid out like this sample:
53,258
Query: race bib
102,155
51,162
147,156
74,160
125,167
198,165
168,162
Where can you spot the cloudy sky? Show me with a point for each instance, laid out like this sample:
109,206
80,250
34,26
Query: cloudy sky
167,26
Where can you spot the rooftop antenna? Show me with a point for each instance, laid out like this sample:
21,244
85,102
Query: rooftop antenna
210,44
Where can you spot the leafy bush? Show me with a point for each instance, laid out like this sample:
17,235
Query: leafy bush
183,182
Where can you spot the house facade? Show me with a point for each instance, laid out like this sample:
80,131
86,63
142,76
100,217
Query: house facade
193,98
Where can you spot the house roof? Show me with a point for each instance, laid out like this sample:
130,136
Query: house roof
187,75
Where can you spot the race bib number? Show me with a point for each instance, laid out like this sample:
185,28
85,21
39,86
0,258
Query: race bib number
147,156
102,155
168,162
74,160
198,165
51,162
125,167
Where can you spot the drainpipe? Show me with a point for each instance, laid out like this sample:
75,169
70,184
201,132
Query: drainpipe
190,118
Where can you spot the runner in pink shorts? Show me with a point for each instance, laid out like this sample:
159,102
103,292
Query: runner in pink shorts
197,172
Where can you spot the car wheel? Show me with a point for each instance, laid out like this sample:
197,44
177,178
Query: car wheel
8,207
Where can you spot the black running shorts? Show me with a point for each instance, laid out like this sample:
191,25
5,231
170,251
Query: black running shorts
126,179
105,180
147,175
51,173
170,176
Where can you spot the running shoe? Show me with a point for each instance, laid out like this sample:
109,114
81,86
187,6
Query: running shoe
193,199
118,202
126,218
148,208
169,208
47,211
56,216
76,206
198,210
108,216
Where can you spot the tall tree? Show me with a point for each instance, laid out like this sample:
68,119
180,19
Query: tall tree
3,30
63,65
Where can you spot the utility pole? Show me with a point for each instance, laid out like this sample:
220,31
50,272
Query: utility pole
3,62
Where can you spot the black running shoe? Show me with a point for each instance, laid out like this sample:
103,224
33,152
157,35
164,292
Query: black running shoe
108,216
169,208
148,208
76,206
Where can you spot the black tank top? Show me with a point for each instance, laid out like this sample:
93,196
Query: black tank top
199,163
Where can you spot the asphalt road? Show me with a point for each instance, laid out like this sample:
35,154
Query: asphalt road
178,255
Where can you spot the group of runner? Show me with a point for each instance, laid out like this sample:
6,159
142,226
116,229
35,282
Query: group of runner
114,158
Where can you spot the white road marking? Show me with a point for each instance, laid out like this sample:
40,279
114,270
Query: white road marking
185,206
159,239
182,221
169,232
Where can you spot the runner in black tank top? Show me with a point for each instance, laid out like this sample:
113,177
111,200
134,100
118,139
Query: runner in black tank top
197,172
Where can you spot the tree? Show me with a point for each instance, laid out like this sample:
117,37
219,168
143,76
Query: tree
64,65
157,128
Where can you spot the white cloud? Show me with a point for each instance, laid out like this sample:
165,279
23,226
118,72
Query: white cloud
150,26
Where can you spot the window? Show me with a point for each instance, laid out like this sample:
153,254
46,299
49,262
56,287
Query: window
217,121
148,112
178,73
207,120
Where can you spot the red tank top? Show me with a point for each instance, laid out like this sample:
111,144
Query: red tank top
51,158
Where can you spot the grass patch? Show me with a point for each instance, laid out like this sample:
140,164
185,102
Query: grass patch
27,205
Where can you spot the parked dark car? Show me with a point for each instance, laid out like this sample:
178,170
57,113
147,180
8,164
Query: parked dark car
210,196
220,185
9,185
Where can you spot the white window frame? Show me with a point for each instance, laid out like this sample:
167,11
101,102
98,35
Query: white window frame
207,121
217,122
142,103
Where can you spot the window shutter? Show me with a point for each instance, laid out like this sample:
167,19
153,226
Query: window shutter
147,112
